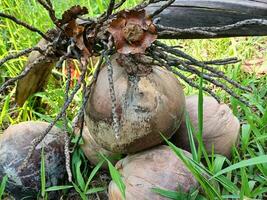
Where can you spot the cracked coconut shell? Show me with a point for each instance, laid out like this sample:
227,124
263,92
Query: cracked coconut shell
14,145
155,168
220,126
147,105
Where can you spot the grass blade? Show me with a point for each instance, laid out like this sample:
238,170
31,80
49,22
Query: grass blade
57,188
170,194
116,177
190,132
3,186
43,182
95,190
92,175
244,163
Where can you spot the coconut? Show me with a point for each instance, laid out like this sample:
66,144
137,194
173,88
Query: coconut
92,149
220,126
14,145
146,105
155,168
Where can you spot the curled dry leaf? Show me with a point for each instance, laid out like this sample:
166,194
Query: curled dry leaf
133,32
72,14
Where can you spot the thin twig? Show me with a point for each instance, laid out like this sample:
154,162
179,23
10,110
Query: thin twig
80,116
29,27
110,8
171,31
23,73
49,7
160,9
175,62
19,54
239,24
118,5
115,117
65,125
184,78
178,52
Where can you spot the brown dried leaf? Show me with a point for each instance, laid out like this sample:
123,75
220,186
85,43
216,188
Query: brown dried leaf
133,32
72,14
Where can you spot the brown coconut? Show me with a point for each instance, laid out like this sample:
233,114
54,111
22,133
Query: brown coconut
92,149
14,146
147,105
220,126
155,168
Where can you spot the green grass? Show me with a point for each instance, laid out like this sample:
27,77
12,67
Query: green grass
244,176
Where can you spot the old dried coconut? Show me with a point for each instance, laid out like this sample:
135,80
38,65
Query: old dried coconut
220,126
14,146
155,168
147,105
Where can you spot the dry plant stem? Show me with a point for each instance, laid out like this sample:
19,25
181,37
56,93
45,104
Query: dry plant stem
219,61
175,62
163,7
80,116
110,8
21,53
29,27
189,81
37,140
65,123
118,5
179,53
115,117
49,7
22,74
163,30
239,24
146,3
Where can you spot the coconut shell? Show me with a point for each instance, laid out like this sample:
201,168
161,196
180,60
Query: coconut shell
146,106
155,168
92,150
220,126
14,146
